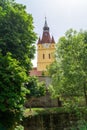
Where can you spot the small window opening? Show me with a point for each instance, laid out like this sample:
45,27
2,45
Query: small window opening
43,56
49,56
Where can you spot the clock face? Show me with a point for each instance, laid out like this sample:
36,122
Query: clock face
46,45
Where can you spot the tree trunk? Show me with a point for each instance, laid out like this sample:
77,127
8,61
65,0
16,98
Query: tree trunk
59,102
85,94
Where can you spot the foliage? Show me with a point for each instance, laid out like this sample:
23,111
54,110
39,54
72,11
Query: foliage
12,90
68,119
35,87
69,72
80,125
20,127
12,81
42,111
17,40
17,37
17,32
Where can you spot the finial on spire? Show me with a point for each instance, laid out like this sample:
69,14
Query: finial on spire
45,25
45,18
45,28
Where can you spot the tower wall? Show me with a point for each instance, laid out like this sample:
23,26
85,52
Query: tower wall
45,55
45,49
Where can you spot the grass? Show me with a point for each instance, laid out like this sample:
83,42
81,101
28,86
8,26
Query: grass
39,111
53,110
32,112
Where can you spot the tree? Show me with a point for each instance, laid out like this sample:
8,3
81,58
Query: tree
69,72
36,88
12,90
17,40
17,32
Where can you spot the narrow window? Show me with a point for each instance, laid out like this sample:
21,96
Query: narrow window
43,56
49,56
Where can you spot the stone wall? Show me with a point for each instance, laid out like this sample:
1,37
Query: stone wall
45,79
44,101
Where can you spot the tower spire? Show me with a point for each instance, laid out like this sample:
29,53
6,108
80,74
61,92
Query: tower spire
45,25
45,28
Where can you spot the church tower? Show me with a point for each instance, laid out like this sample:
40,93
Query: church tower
45,49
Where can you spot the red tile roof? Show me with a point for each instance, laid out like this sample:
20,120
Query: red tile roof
52,41
34,72
46,38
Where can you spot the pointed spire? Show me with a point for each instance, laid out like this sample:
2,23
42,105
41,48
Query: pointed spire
45,25
46,35
52,41
39,41
45,28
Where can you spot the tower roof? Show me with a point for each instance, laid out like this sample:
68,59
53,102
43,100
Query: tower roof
45,28
39,41
52,41
46,35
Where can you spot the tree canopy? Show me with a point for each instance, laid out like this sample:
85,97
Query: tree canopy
35,87
12,81
17,38
17,32
69,72
12,90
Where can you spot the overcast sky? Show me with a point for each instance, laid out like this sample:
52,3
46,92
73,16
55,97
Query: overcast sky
61,15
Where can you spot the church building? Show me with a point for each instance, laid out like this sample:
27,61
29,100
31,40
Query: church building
45,51
46,48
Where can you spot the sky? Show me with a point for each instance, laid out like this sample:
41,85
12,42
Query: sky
61,15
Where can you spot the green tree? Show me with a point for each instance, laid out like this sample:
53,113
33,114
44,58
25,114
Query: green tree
36,88
69,72
17,32
12,90
17,37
